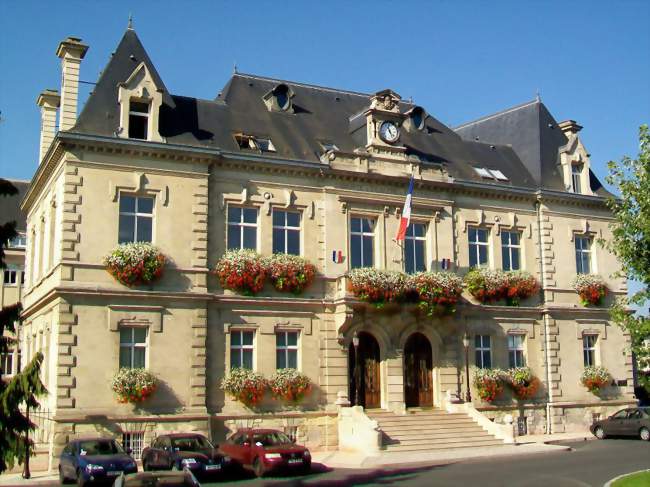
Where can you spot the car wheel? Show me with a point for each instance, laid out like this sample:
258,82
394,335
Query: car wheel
80,479
258,467
62,478
644,434
599,433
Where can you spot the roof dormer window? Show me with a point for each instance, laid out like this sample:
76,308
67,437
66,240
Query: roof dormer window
250,142
265,145
491,174
138,119
484,173
498,174
279,99
329,146
416,118
576,177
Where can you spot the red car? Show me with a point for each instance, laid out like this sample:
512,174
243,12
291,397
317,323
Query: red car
266,450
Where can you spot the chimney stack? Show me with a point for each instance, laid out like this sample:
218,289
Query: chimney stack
569,127
71,51
49,101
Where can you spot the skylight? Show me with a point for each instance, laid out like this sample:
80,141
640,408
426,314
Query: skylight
498,174
265,145
328,146
251,142
484,173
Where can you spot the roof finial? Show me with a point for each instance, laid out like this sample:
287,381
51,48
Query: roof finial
538,97
130,26
234,67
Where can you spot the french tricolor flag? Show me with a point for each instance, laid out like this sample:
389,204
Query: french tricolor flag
406,214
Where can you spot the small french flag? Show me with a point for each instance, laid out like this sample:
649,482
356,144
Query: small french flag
406,214
337,256
445,264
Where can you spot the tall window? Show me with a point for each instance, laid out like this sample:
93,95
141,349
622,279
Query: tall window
589,349
576,177
415,248
133,347
583,255
138,120
7,363
483,351
134,441
478,247
286,350
242,228
241,349
286,232
362,237
136,219
10,277
516,352
510,250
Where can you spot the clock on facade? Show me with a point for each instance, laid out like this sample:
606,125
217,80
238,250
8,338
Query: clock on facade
388,132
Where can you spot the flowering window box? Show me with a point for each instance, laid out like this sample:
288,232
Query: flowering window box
595,378
290,273
242,271
377,286
133,385
489,383
437,292
135,263
490,285
591,288
289,385
523,383
245,386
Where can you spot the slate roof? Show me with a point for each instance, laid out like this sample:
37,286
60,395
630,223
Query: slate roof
10,206
535,136
320,115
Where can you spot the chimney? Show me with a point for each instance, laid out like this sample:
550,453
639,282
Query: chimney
71,51
569,127
48,100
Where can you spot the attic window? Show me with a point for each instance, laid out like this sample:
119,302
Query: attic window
279,99
484,173
418,115
138,120
255,143
329,146
498,174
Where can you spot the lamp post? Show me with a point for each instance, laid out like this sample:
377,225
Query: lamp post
468,395
355,343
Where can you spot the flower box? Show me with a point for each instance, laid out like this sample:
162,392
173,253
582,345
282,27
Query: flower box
591,288
135,263
489,285
242,271
289,385
290,273
489,383
246,386
377,286
595,378
519,285
437,292
133,385
523,383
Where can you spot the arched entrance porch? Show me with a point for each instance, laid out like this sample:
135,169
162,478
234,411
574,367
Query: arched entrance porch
363,368
418,371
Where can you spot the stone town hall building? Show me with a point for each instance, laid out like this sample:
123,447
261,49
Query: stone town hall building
281,166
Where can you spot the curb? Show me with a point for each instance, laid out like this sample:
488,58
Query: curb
610,482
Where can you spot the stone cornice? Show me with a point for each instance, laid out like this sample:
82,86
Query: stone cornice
48,164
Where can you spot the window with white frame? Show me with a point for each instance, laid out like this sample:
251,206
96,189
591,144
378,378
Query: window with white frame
589,341
478,247
576,177
483,351
242,228
138,120
516,350
241,349
583,254
286,232
362,239
136,219
7,364
415,248
134,441
286,350
510,250
10,277
18,242
133,347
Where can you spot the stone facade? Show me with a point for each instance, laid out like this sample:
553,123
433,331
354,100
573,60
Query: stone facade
73,218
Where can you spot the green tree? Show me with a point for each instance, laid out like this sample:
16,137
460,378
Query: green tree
631,244
24,387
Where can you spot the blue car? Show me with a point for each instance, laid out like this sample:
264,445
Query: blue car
94,460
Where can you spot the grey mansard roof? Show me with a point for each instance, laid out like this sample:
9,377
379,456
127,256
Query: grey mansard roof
320,115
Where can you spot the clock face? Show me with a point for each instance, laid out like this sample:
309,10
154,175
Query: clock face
388,132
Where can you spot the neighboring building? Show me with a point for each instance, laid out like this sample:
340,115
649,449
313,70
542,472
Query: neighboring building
282,166
13,274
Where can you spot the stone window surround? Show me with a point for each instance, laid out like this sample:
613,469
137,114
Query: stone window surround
427,248
240,224
298,346
524,345
510,246
142,90
596,347
376,231
300,227
137,215
133,344
488,244
239,328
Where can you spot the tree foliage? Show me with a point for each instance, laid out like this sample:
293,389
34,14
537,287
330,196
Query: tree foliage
631,244
24,387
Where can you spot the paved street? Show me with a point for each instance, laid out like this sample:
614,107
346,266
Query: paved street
591,463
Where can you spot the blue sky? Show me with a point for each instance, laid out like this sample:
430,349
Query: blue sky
460,60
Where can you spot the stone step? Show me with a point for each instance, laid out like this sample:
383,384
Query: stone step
442,446
435,442
436,422
432,429
408,436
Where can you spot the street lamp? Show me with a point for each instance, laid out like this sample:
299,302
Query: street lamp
355,343
468,395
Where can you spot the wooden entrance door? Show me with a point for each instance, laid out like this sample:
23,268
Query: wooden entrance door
364,370
418,377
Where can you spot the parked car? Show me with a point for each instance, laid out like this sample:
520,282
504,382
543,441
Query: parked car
267,450
185,450
183,478
626,422
88,460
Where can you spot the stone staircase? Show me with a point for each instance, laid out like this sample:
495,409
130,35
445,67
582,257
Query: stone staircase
429,430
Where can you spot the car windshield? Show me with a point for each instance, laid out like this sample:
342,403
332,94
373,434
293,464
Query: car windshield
190,443
99,447
271,439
